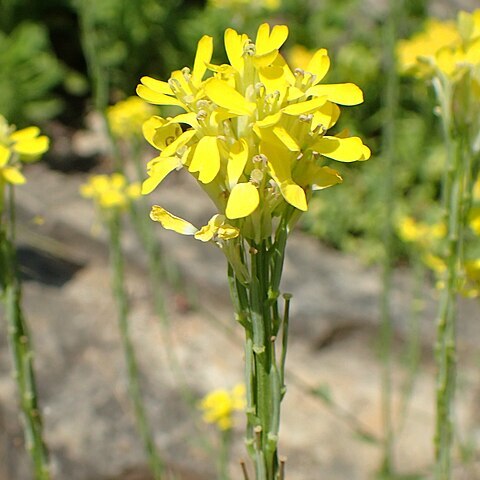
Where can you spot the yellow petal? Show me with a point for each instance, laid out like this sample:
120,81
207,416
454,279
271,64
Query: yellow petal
243,200
349,149
4,155
319,64
269,120
286,139
187,118
157,85
32,147
273,78
327,116
25,134
206,159
157,98
202,58
318,177
304,108
158,171
294,195
234,45
279,166
227,97
267,41
179,142
12,175
150,126
171,222
341,93
237,160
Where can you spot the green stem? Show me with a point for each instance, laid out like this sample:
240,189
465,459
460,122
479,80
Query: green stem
120,295
457,184
21,350
389,148
224,456
256,309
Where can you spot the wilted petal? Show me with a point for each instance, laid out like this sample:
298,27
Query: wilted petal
349,149
341,93
171,222
159,169
243,200
206,159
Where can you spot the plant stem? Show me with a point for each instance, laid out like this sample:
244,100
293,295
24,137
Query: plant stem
456,198
117,266
389,148
256,309
21,349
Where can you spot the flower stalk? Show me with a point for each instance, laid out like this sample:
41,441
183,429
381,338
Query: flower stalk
118,285
21,348
18,147
112,195
256,307
256,141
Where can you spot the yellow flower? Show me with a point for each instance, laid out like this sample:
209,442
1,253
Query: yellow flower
110,191
127,116
25,145
256,131
268,4
9,174
450,48
219,406
424,234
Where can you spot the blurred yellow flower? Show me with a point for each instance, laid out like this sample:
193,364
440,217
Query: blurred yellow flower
127,116
110,191
268,4
256,137
451,48
423,234
25,145
219,406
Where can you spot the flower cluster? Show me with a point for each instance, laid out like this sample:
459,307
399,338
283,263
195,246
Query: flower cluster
16,146
219,406
127,116
448,48
253,133
427,238
110,191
